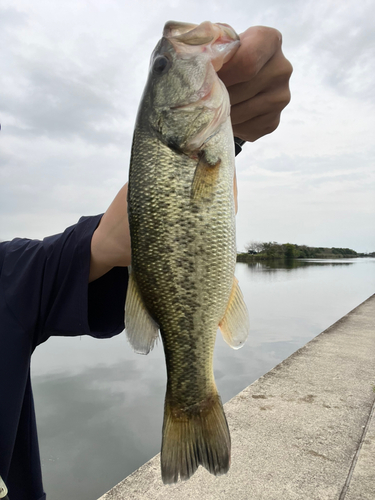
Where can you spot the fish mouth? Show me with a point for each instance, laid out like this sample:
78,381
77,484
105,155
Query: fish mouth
199,34
219,41
175,28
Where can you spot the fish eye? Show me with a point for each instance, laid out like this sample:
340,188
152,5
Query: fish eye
161,65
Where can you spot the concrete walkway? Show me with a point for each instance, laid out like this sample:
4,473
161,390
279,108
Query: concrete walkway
303,431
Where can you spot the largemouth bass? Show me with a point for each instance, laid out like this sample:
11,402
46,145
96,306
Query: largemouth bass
182,226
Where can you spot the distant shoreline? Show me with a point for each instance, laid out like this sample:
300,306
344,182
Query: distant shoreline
257,250
246,257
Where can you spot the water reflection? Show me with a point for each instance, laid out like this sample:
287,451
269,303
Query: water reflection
100,406
95,427
268,265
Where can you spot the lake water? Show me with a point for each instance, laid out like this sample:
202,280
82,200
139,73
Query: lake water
100,406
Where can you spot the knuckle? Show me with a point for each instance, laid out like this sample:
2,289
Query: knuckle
284,69
284,99
290,68
273,34
278,38
278,100
273,124
287,98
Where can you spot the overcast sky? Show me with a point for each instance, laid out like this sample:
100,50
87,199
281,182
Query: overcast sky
71,77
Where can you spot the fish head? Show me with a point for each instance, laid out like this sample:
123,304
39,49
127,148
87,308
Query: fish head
186,102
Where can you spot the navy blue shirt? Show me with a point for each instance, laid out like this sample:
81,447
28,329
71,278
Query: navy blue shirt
44,292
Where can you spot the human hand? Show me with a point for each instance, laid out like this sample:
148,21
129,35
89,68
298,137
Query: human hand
257,79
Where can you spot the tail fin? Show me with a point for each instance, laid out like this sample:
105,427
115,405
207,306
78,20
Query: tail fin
198,435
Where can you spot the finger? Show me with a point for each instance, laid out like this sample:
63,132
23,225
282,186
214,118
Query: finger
258,45
276,73
257,127
264,103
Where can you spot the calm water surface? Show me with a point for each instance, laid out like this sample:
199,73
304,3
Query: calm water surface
100,406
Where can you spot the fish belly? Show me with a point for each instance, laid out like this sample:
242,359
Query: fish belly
183,260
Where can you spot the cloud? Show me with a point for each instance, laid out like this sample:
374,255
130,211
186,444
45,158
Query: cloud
11,18
347,49
320,200
71,78
60,99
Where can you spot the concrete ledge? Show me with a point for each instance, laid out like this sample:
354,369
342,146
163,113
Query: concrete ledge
305,430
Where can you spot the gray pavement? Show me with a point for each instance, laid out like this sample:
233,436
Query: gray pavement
361,483
303,431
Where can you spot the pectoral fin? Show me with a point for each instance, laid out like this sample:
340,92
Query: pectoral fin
205,177
235,324
141,330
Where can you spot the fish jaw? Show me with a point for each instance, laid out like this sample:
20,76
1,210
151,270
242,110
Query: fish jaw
218,41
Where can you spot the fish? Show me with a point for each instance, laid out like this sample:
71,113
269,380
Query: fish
181,214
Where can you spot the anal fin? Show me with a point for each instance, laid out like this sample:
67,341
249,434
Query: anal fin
141,330
235,324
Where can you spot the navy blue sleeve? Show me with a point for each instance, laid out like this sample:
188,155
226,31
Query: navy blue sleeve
44,291
46,286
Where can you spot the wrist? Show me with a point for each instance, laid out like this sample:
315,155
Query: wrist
238,143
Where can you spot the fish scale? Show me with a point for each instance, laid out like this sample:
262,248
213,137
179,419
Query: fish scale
181,217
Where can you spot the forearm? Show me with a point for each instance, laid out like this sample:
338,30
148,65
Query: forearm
110,245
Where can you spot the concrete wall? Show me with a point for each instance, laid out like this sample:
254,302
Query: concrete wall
303,431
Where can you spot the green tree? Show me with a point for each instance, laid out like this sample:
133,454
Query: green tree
289,251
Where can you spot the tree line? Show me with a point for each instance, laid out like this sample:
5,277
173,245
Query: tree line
274,250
